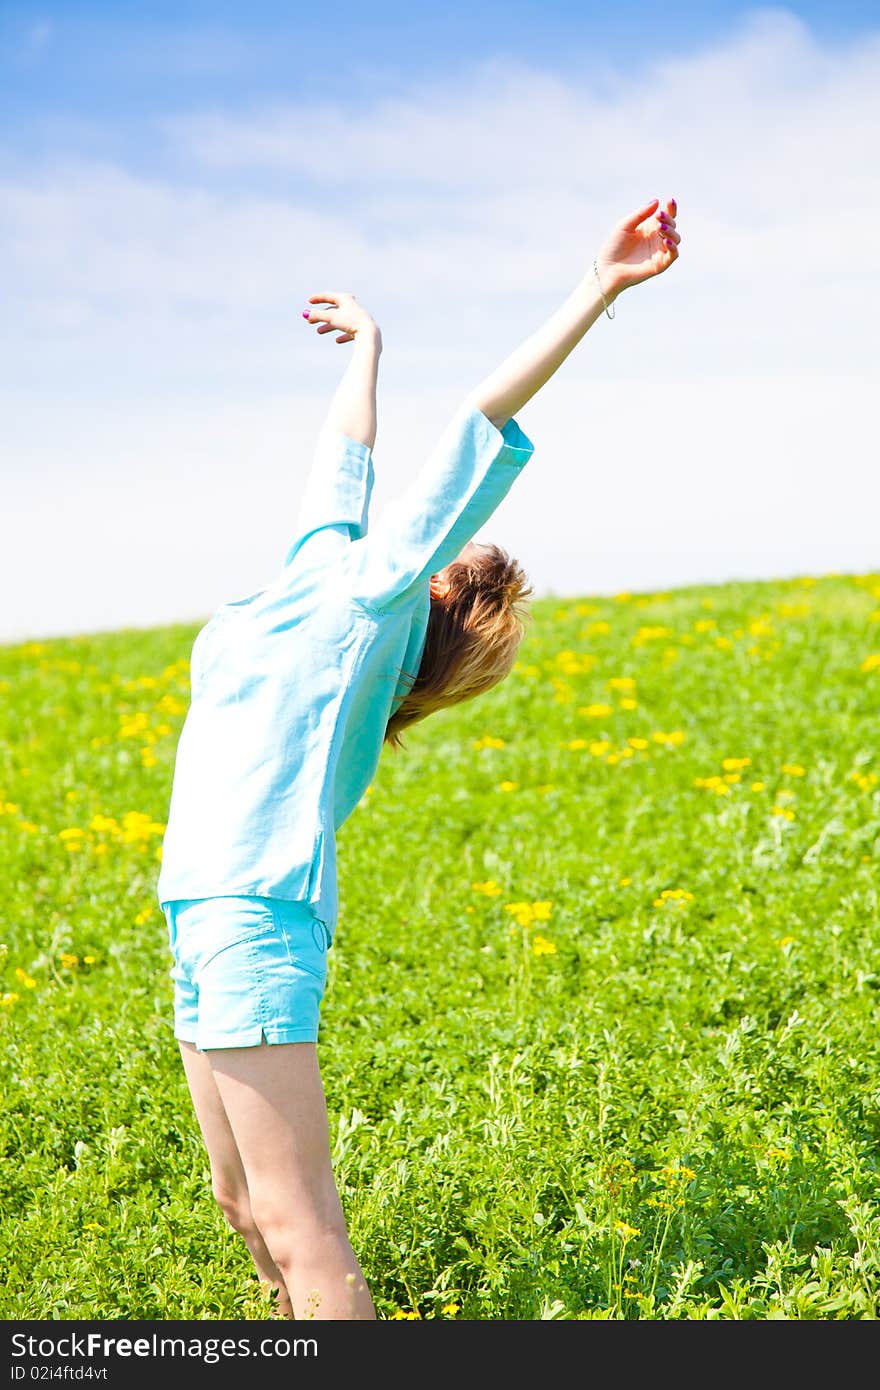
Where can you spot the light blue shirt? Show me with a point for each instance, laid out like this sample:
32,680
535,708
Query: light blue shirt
292,688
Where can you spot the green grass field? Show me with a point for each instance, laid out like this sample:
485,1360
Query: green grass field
600,1038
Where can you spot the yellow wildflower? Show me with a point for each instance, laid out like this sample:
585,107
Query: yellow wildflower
68,960
713,783
522,912
629,703
24,978
137,826
625,1231
673,1174
793,769
673,895
614,1175
866,780
732,764
133,725
542,947
626,683
7,1000
507,786
871,663
599,747
169,704
490,888
637,742
597,711
574,665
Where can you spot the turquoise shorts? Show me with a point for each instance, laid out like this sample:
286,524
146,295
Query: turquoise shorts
246,970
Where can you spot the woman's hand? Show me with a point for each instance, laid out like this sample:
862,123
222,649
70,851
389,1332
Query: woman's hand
346,317
641,245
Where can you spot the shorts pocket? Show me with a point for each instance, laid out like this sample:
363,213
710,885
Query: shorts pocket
305,940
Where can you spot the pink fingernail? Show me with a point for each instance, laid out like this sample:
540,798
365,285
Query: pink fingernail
306,313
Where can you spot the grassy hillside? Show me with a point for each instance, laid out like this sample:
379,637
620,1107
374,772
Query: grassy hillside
600,1038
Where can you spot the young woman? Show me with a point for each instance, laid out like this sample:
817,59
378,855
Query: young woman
295,690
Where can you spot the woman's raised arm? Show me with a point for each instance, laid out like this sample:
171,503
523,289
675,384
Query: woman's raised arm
352,411
638,247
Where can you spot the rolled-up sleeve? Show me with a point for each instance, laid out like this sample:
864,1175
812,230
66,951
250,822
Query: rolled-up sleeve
465,478
336,498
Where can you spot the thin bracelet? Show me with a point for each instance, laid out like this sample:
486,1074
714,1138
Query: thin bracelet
608,311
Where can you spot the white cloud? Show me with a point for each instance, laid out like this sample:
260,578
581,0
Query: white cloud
141,307
130,518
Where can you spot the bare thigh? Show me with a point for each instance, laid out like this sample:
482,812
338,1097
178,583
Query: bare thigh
263,1118
274,1099
228,1177
227,1170
274,1108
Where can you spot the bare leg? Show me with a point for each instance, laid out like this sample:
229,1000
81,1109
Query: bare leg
274,1098
227,1172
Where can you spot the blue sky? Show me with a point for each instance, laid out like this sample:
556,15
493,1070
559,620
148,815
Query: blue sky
105,71
175,179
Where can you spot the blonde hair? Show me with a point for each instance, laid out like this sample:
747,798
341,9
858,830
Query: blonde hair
474,631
